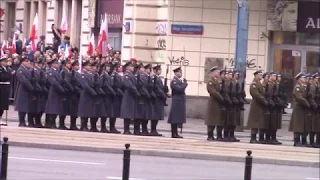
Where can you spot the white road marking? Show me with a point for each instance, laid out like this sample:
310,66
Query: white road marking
57,161
120,178
312,178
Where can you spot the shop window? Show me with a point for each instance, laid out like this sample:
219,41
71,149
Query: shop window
284,37
310,39
312,61
26,20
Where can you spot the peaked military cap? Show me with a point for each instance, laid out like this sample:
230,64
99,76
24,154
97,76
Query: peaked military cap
85,63
129,63
39,60
214,68
53,61
177,69
108,64
300,75
236,72
94,64
257,72
273,73
148,66
75,63
139,65
223,71
25,59
315,75
3,59
157,67
265,74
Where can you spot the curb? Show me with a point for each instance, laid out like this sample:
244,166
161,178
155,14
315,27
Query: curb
167,154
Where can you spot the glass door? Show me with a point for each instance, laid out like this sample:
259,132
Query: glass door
287,62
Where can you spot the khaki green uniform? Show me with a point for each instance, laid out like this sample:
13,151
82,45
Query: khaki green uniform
316,119
301,118
258,106
278,109
214,115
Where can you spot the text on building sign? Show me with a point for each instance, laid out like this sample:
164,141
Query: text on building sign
182,61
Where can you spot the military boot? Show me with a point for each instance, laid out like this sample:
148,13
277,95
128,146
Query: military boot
93,123
84,124
38,121
304,141
174,131
73,123
210,133
297,142
226,137
22,122
232,137
261,138
253,139
112,125
311,140
126,128
144,125
30,118
136,127
317,144
104,126
154,131
62,125
47,121
219,134
274,138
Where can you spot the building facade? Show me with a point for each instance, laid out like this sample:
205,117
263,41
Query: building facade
20,14
200,34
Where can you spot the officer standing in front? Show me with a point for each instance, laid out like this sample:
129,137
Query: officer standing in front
25,91
56,96
75,96
177,113
300,111
130,97
43,95
5,78
158,108
215,103
258,107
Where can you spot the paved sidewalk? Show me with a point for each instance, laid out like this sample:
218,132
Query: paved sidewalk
160,146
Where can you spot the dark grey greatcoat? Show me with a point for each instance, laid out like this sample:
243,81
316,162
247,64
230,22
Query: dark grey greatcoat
130,96
43,95
87,95
35,108
177,113
142,101
66,78
25,90
75,96
118,87
149,102
158,109
5,78
110,94
99,108
56,93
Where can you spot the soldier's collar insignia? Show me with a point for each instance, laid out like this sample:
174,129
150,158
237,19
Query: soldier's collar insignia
297,89
210,82
253,85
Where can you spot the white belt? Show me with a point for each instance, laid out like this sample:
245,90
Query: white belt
4,83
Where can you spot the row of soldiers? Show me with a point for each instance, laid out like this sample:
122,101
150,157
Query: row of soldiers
57,89
227,97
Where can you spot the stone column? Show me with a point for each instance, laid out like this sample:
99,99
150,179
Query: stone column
74,23
65,10
41,15
56,13
32,12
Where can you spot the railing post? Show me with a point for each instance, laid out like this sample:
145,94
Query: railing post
4,159
248,166
126,162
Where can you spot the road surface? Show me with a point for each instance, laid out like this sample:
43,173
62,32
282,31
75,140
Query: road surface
34,164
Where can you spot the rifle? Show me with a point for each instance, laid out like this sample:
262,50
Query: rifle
139,89
223,94
165,86
243,92
34,84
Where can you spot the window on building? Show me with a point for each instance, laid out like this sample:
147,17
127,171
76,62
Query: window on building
26,20
10,19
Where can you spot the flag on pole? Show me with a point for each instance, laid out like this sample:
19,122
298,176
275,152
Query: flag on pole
34,33
3,48
64,24
80,63
105,49
91,45
100,38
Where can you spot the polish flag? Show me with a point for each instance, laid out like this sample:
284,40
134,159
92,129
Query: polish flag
34,33
64,24
3,48
100,38
91,45
105,49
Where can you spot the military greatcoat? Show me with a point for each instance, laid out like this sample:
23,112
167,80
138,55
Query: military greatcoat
213,115
5,78
75,96
43,95
110,94
99,108
232,109
316,121
258,105
25,90
118,87
87,95
299,121
130,96
56,93
177,113
158,109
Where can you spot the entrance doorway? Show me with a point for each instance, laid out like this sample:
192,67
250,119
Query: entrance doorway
289,60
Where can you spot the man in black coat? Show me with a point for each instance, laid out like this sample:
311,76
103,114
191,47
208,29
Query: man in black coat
5,78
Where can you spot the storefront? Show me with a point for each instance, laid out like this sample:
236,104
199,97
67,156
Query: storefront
114,9
294,34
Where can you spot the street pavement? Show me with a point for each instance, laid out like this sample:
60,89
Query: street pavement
189,148
39,164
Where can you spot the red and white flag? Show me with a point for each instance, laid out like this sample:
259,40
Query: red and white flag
34,33
100,38
64,24
91,45
105,48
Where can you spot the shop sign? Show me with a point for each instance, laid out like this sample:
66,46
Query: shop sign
114,9
308,17
187,29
